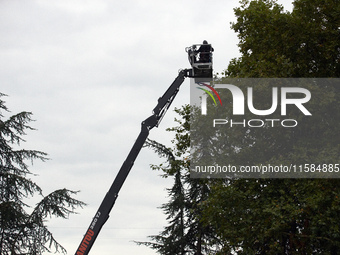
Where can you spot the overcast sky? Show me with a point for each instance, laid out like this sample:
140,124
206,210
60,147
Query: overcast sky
91,71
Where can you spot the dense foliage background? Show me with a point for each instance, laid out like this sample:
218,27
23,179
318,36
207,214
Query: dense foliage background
265,216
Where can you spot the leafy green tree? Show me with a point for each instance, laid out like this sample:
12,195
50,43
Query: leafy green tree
23,228
274,43
283,216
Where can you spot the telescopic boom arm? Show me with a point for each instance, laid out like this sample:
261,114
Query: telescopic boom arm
103,212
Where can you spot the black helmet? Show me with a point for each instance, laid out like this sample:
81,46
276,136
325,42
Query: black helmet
205,42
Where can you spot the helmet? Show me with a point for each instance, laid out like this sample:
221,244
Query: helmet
205,42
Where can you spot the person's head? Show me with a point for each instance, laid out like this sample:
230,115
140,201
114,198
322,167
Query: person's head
205,42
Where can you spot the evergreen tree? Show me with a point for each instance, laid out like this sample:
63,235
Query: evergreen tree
21,231
185,234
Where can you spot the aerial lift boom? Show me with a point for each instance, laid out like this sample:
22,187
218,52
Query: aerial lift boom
103,212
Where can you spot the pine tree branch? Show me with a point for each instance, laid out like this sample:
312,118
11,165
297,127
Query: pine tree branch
55,204
160,149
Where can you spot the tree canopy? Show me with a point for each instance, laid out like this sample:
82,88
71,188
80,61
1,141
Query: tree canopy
284,216
275,43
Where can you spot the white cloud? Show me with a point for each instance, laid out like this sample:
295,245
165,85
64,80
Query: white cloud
79,7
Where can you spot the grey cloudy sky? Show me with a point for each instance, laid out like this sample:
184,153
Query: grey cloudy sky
91,71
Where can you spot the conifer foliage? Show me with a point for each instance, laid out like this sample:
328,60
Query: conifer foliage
23,227
184,234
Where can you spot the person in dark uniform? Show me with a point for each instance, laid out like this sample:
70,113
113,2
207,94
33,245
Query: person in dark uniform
204,52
